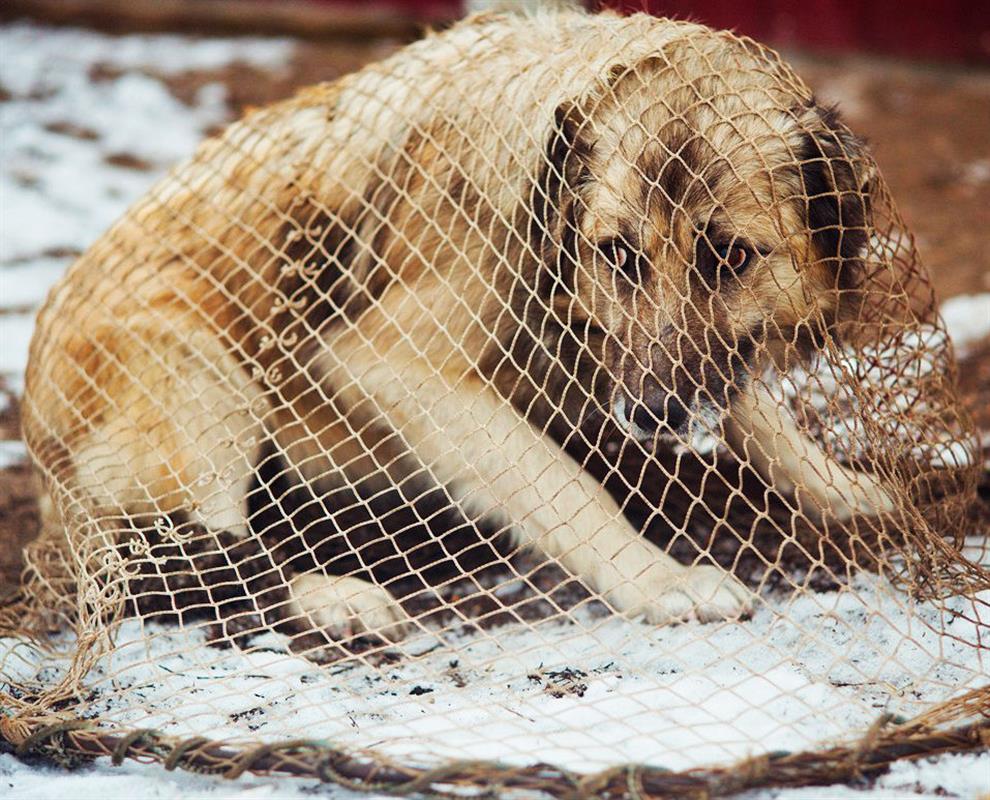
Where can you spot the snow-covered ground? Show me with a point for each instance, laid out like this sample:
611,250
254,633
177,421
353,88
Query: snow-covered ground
62,181
588,693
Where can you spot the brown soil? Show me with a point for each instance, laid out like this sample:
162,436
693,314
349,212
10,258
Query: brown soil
929,128
18,505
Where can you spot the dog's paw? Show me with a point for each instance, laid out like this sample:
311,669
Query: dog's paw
345,607
662,596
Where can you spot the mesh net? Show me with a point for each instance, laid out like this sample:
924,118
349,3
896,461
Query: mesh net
562,390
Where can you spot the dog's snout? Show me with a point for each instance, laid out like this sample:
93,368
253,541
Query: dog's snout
662,409
655,408
645,417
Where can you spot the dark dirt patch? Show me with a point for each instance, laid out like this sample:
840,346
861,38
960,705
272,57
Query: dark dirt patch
974,389
312,62
128,161
18,502
10,416
562,682
18,521
974,386
72,130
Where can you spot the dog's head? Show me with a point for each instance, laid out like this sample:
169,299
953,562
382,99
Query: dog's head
697,214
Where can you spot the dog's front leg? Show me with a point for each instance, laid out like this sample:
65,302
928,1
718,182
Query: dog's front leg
494,462
499,461
764,433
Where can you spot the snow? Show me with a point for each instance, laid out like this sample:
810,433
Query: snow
589,693
896,378
59,190
805,670
967,319
15,337
59,184
12,453
132,780
964,775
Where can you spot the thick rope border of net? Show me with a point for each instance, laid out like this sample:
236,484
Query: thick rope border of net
564,319
71,742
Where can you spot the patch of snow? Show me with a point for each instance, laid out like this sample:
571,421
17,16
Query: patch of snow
133,780
39,58
950,454
967,319
15,337
963,775
966,775
24,286
976,173
877,398
60,128
62,182
12,453
805,671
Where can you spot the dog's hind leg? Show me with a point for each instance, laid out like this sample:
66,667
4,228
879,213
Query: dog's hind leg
345,606
156,421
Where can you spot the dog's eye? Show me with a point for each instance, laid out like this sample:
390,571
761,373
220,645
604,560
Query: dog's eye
734,255
615,252
716,257
624,259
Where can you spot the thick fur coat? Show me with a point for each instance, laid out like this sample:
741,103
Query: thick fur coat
440,270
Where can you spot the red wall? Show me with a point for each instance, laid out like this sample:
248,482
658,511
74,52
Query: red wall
928,29
426,10
957,30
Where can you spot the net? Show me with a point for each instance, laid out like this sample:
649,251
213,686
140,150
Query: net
558,404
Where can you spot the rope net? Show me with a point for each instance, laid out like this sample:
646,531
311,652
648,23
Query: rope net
561,390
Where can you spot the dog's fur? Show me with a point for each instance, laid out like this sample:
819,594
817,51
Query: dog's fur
410,278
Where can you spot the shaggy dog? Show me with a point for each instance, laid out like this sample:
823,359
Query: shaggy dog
439,271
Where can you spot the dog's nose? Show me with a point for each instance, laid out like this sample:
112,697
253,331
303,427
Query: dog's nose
665,409
645,417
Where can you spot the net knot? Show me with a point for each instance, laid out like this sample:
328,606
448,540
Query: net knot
128,741
631,775
868,743
328,769
180,749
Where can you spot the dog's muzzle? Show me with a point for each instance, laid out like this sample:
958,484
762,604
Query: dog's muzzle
643,419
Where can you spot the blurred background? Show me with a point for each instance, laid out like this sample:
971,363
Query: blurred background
99,97
954,30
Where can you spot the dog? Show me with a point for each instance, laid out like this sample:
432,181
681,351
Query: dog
441,270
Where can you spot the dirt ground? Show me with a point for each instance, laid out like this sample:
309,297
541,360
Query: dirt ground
929,128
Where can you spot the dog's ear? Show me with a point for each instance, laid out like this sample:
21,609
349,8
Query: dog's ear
837,176
562,169
567,153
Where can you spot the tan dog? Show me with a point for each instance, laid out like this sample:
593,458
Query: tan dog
439,270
